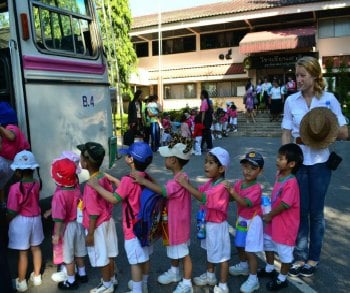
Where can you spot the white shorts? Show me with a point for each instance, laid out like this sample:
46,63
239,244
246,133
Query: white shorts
255,234
73,242
217,242
217,126
5,171
25,232
105,244
166,137
135,252
285,252
178,251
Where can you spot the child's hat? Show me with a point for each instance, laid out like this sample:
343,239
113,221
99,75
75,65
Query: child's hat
24,160
178,151
253,158
140,151
63,171
92,151
7,113
222,155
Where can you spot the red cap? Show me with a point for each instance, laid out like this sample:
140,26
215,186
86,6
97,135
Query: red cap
63,172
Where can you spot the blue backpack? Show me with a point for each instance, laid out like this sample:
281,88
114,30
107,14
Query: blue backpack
147,227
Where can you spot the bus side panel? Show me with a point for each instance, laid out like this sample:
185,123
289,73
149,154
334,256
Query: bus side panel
64,116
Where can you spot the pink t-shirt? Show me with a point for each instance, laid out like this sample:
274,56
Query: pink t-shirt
185,130
204,106
64,204
252,194
166,123
284,227
216,200
179,211
129,191
94,205
9,149
26,203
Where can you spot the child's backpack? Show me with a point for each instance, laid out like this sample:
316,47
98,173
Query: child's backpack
147,227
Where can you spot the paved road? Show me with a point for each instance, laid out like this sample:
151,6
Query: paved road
332,275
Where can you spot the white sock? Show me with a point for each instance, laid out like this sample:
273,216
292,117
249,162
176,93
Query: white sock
71,279
269,268
281,277
243,264
81,271
223,286
136,286
210,275
107,284
175,270
144,279
253,277
187,282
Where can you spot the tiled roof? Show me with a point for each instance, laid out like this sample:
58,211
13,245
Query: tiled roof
216,9
207,70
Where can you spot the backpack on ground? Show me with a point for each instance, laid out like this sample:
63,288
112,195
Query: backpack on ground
147,227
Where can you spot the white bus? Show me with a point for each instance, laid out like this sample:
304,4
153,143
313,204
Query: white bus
54,73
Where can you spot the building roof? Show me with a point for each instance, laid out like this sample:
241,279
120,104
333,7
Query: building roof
214,10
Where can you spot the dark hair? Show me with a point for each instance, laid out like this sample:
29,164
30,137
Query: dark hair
142,166
293,153
216,160
137,95
198,118
182,162
183,118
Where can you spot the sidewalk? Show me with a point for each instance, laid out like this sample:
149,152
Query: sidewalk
333,270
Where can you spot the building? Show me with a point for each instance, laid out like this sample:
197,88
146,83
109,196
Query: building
220,46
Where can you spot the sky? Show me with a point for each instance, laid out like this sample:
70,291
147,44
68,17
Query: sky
144,7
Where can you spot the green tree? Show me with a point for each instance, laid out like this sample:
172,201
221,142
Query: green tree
115,19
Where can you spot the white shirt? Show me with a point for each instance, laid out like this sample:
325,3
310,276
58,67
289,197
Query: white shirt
295,108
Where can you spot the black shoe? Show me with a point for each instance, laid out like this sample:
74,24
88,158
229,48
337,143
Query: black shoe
263,274
276,285
307,270
66,286
295,269
82,279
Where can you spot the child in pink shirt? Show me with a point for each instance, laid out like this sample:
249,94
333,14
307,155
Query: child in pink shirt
101,237
215,197
283,220
197,135
247,194
138,156
66,228
25,230
176,156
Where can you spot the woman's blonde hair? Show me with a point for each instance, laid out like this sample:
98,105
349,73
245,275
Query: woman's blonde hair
312,66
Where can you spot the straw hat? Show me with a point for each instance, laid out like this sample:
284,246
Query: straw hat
319,128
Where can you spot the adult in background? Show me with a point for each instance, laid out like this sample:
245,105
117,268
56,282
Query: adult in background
153,111
206,110
314,175
135,121
265,92
275,101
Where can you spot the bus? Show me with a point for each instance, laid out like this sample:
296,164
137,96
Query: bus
54,73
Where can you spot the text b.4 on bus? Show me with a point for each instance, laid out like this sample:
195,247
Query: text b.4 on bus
86,102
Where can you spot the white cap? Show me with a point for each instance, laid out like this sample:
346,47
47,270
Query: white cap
222,155
176,151
24,160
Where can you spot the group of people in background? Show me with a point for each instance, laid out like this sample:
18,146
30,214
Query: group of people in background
146,120
267,96
293,226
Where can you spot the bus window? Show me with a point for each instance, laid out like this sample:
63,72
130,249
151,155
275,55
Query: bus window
4,26
64,28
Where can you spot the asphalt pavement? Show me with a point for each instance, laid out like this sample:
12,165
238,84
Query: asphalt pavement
331,276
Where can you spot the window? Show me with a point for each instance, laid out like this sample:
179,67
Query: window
4,29
333,28
180,91
224,89
64,27
141,49
175,46
221,39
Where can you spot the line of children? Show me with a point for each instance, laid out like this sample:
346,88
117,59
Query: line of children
138,157
215,197
178,198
